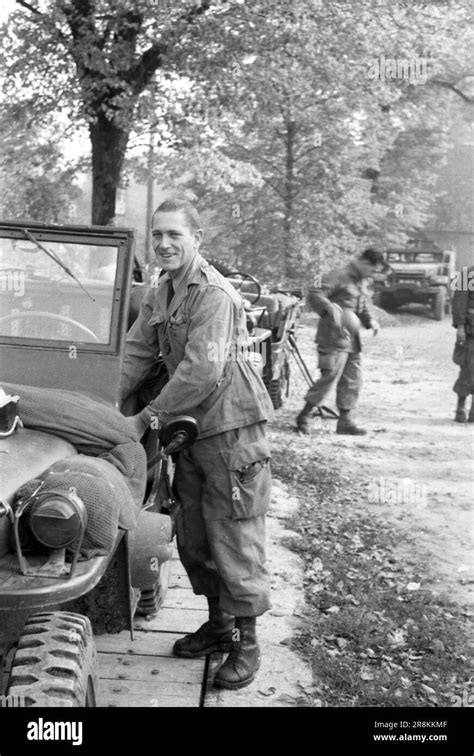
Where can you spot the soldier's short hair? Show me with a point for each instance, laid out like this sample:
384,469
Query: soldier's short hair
373,256
181,204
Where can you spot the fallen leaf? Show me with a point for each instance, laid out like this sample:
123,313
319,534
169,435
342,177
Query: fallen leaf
268,692
397,637
285,698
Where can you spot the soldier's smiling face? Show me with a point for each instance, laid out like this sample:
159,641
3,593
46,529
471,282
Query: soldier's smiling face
175,243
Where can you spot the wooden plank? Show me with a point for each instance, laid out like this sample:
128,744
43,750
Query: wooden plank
184,598
139,693
180,620
157,671
151,644
177,568
179,581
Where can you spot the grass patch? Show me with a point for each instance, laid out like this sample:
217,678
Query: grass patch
374,636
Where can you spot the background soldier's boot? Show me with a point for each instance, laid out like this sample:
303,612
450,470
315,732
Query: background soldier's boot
346,425
240,667
214,635
471,411
460,416
303,419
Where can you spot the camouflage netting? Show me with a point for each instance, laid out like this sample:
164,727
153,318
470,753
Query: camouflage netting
108,474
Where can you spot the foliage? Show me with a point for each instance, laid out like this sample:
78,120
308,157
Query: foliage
37,182
268,113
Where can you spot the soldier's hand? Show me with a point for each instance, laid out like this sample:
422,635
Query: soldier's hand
375,327
138,424
460,335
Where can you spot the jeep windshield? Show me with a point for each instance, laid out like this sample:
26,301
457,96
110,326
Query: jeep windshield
40,299
414,257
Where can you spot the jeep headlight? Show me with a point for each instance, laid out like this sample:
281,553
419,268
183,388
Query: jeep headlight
57,518
437,280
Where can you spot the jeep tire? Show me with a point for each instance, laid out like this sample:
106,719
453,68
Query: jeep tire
439,304
55,663
279,386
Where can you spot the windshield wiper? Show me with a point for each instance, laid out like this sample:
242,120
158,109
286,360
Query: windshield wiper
56,259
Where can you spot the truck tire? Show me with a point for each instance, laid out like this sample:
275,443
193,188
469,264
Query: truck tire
55,663
439,304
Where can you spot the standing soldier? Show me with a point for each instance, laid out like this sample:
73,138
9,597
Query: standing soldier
341,303
195,318
463,321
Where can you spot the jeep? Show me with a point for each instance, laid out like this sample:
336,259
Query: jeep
64,312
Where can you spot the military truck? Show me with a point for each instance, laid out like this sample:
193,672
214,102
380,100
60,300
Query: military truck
417,273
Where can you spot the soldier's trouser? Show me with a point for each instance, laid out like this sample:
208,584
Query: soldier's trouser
340,369
224,484
465,382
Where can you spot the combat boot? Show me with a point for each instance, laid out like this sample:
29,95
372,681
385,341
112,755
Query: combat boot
303,419
470,418
243,662
346,425
460,416
214,635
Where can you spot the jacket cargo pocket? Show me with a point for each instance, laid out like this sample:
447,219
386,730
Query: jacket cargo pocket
249,471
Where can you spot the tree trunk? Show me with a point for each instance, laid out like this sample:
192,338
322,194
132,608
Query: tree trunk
109,143
289,199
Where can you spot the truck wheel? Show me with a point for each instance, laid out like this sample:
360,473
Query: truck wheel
55,663
439,303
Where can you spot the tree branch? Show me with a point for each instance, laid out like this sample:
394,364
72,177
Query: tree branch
29,7
453,88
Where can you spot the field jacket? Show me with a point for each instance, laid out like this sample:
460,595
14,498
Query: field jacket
347,289
203,339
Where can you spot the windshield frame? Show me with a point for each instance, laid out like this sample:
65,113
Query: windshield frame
121,239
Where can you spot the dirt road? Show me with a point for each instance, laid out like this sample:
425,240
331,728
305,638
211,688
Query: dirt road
415,463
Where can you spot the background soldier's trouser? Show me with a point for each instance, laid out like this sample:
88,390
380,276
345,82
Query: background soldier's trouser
465,382
337,368
224,484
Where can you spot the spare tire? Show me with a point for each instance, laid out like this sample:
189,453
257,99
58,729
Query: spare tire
223,268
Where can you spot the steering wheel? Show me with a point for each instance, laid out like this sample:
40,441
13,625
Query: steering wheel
251,278
50,316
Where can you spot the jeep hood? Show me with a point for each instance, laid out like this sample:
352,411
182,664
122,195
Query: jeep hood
26,454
